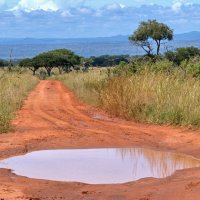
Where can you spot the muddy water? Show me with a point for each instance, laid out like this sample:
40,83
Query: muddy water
98,166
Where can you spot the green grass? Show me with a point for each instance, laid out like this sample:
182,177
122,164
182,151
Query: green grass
14,87
154,98
86,86
150,97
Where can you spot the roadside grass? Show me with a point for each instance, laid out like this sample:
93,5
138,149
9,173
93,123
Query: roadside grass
86,85
154,98
150,97
14,87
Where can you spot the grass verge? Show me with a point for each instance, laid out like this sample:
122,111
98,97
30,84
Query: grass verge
14,87
145,97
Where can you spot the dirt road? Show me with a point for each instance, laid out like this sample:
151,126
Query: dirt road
53,118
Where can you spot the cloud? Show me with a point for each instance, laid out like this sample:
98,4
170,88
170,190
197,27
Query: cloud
82,21
177,5
31,5
114,6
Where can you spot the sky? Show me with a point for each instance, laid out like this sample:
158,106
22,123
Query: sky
93,18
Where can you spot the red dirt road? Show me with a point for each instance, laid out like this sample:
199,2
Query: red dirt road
53,118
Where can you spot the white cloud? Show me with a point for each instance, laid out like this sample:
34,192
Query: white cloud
177,4
114,6
83,21
31,5
122,5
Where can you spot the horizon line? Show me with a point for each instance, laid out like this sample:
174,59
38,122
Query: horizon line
95,37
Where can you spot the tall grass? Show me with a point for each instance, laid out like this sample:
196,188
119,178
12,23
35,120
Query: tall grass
152,97
86,86
14,87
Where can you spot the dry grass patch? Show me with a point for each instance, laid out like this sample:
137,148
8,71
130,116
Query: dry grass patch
152,97
14,87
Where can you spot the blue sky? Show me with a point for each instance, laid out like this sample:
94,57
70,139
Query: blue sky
93,18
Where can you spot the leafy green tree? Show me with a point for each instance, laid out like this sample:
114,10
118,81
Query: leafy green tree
45,60
151,32
182,54
30,64
186,53
62,59
65,59
107,60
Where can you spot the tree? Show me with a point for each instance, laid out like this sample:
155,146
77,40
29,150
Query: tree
30,64
108,61
45,60
151,32
185,53
62,59
181,54
65,59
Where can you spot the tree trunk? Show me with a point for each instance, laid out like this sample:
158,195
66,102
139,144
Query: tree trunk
60,70
48,71
158,47
33,70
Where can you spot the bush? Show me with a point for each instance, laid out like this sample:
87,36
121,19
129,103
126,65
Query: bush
43,74
182,54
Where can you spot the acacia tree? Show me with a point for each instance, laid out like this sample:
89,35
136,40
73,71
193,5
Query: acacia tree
151,32
62,59
44,60
29,63
65,59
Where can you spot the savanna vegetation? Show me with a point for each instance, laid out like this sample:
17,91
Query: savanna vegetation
14,87
144,91
150,34
62,59
154,88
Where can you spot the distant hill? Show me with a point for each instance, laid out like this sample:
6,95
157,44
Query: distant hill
190,36
116,45
14,41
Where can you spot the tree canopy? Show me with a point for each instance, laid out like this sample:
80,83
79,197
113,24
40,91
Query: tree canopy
181,54
109,60
30,63
151,33
63,59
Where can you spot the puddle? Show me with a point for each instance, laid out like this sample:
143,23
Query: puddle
98,166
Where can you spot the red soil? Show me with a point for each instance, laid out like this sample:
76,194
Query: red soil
53,118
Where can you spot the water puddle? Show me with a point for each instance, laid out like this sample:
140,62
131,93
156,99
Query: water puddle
98,166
